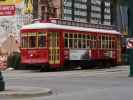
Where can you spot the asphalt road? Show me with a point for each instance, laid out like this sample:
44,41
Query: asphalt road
100,84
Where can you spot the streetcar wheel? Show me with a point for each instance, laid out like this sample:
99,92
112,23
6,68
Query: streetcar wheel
44,68
84,66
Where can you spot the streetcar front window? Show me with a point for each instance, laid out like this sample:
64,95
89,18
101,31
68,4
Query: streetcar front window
41,39
32,41
24,41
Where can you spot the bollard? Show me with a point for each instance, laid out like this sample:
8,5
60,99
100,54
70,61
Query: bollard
2,83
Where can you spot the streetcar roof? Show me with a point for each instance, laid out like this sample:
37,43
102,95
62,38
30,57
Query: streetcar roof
65,27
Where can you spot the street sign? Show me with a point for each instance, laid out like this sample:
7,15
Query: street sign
7,10
129,43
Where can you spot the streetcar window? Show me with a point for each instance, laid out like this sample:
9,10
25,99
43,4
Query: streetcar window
32,41
91,41
70,40
88,41
66,35
78,40
110,42
88,37
79,43
41,39
83,41
79,35
70,43
24,41
70,35
93,38
103,42
113,44
119,44
75,41
75,36
99,42
106,42
66,40
95,41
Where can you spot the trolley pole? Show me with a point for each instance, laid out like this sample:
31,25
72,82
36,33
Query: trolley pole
130,36
2,83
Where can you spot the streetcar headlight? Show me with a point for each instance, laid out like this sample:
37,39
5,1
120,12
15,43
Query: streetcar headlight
31,55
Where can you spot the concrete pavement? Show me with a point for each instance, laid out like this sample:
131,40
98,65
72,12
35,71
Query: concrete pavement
21,91
27,77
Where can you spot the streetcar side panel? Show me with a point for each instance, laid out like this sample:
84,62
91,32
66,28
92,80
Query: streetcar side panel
96,50
34,56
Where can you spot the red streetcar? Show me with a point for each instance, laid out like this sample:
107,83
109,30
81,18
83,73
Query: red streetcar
59,43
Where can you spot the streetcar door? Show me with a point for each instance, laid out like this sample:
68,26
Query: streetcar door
54,48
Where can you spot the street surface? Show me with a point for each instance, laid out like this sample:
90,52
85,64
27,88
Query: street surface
93,84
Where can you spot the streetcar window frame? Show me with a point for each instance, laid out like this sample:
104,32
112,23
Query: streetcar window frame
76,40
24,40
43,42
33,40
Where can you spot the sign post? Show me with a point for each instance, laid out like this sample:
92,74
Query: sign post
130,35
2,83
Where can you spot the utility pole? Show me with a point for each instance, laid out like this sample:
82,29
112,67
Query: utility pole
130,35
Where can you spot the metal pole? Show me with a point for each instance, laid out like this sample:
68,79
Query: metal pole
2,83
130,35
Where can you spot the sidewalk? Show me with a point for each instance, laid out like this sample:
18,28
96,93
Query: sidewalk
21,91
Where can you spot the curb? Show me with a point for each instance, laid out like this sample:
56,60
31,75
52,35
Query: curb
19,91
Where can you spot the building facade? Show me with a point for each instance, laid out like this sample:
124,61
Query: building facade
91,11
122,19
47,8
